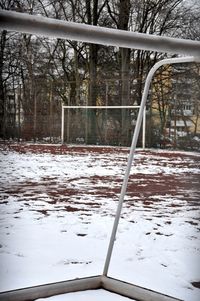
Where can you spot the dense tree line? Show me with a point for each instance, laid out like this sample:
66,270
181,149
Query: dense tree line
38,74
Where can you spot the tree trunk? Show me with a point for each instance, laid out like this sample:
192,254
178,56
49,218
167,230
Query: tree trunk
2,90
92,17
124,12
125,95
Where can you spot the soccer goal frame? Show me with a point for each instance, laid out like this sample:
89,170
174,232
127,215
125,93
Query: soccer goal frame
86,33
64,107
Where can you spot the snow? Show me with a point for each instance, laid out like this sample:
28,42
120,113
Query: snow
90,295
56,221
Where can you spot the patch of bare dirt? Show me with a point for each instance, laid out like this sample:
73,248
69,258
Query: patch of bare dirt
58,149
196,284
144,188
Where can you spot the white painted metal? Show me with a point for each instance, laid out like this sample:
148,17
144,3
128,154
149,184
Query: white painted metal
62,125
52,289
101,107
133,291
54,28
125,289
144,129
133,148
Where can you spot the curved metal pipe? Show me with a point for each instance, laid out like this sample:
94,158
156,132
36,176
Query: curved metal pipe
133,148
38,25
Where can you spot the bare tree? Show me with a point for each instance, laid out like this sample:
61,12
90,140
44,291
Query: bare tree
63,65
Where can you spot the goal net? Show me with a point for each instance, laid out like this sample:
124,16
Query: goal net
100,125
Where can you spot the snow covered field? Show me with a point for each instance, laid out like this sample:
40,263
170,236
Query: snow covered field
57,207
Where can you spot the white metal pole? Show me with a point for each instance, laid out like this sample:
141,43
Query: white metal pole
62,125
144,129
48,27
101,107
132,150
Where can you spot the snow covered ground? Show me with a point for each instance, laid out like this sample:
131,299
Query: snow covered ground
90,295
57,208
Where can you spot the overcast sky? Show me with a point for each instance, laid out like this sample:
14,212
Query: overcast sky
192,2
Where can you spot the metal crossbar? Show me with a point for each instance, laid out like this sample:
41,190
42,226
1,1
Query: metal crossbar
48,27
89,283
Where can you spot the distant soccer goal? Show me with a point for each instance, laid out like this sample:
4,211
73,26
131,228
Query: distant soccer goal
100,125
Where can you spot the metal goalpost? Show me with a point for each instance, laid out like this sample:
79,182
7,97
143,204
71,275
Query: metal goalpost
86,33
103,108
133,148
